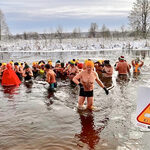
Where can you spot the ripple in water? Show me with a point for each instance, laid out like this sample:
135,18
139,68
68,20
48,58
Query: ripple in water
31,118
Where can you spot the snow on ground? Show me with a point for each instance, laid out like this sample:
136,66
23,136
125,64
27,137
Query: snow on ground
75,44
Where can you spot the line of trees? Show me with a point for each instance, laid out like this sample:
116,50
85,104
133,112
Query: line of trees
103,32
59,34
139,21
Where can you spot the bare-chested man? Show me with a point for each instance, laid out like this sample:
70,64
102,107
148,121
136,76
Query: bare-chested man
86,80
72,70
50,77
123,69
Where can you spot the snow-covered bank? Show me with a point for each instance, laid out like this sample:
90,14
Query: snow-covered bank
75,44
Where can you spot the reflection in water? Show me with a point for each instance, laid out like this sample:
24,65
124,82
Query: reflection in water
89,135
49,95
10,91
60,124
28,86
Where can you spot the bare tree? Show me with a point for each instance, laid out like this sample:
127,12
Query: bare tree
76,33
59,33
93,29
4,30
105,32
123,31
139,17
25,36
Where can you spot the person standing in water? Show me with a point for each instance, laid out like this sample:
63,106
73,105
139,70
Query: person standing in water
18,71
85,80
50,77
107,74
27,73
0,71
137,64
123,69
72,71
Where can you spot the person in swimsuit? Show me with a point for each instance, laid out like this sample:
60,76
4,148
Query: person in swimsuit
72,70
2,69
35,69
137,64
27,73
18,71
107,74
50,77
85,80
123,69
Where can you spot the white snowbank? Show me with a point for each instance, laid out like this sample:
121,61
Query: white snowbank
75,44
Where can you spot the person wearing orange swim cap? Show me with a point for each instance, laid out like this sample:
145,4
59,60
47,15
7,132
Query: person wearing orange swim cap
89,63
85,80
137,64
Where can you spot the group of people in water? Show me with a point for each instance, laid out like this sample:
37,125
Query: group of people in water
82,74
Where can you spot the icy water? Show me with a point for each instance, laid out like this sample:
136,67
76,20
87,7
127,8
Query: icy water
31,118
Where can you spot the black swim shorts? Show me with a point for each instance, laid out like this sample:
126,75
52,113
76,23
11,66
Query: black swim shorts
85,93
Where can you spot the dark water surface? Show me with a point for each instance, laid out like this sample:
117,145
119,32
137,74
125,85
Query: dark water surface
31,118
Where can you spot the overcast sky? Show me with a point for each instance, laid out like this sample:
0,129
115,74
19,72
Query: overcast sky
47,15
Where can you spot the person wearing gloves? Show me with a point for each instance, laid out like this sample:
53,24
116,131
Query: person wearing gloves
85,80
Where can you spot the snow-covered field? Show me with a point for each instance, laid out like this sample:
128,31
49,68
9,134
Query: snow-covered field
75,44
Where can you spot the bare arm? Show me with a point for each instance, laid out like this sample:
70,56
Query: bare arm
21,70
67,68
77,71
117,67
99,82
24,73
0,71
142,63
76,78
48,77
133,64
31,73
110,71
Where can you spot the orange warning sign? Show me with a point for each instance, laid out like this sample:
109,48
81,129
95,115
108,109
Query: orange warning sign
144,116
